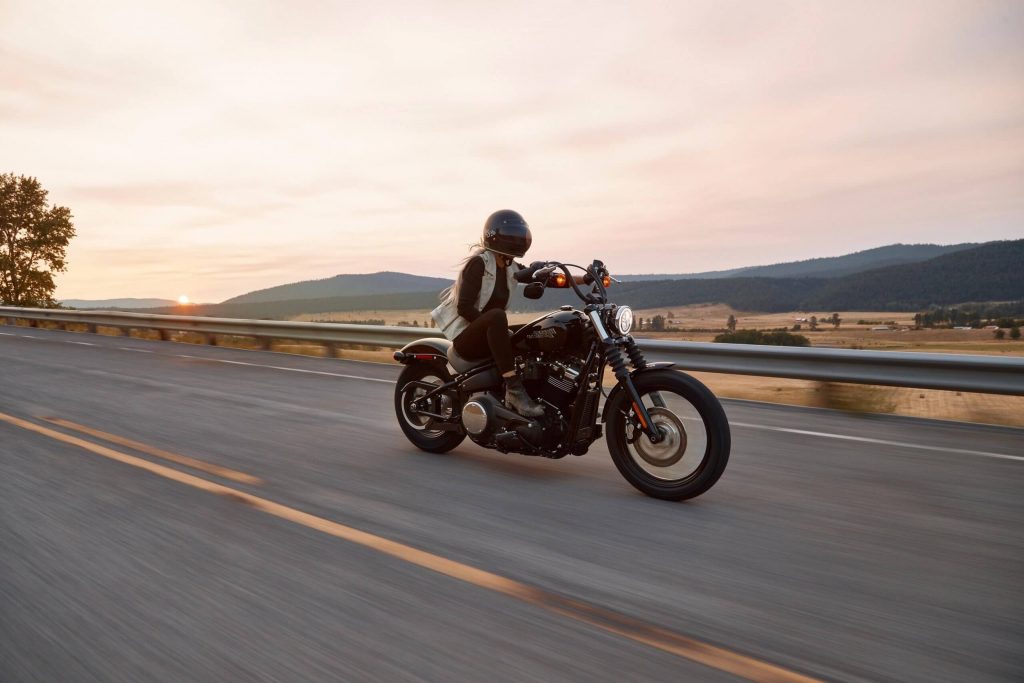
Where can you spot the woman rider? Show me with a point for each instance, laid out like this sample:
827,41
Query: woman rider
472,311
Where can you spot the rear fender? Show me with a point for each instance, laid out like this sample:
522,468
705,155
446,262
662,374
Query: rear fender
650,367
424,351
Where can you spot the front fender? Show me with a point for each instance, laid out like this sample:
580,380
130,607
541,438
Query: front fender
618,387
424,350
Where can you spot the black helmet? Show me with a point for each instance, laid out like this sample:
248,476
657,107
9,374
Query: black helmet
506,232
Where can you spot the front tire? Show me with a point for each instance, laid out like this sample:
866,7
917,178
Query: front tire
696,439
415,426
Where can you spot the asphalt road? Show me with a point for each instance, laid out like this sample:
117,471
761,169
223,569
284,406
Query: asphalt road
326,548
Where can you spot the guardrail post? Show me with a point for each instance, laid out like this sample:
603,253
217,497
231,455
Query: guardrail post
332,349
165,335
90,327
265,343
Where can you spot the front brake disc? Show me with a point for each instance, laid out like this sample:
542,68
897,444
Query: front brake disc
672,446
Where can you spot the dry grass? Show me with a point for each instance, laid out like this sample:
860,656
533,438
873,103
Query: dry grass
928,403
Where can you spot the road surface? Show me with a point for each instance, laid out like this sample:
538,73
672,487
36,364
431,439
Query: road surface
172,512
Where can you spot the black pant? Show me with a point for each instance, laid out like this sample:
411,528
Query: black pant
487,336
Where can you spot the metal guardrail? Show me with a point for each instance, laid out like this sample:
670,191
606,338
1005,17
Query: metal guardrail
263,330
953,372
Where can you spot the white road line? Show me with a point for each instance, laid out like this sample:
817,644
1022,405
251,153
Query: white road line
80,343
28,336
279,367
8,334
883,442
128,348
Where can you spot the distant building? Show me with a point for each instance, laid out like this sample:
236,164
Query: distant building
881,328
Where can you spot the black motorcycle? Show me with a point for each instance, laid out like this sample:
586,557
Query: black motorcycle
666,432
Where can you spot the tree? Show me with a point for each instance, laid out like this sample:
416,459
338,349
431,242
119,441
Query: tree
33,239
835,320
658,323
1014,332
813,323
1000,334
731,323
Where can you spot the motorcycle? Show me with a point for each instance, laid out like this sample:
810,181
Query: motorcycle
666,432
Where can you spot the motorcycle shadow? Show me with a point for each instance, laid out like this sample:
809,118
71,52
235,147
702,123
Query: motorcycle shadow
511,464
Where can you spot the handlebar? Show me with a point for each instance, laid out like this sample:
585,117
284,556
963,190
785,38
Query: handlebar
595,274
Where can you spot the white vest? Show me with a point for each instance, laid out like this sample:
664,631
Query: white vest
447,315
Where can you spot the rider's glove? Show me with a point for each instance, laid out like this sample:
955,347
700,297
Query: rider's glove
526,274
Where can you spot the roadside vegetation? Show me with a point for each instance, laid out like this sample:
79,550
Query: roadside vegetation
34,237
771,338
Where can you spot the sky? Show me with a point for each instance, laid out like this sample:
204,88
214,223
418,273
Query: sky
212,148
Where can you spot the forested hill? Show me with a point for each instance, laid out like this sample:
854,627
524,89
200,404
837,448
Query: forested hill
991,272
347,286
828,267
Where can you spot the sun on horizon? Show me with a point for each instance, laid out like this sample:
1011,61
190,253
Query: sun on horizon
183,300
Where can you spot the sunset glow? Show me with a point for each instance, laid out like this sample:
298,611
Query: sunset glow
227,147
183,300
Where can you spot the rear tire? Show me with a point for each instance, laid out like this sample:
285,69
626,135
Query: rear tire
639,470
413,426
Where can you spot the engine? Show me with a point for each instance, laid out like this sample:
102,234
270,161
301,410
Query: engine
554,383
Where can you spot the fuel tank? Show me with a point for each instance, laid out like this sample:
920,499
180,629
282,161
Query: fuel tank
557,331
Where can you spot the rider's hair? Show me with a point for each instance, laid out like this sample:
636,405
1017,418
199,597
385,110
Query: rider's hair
451,293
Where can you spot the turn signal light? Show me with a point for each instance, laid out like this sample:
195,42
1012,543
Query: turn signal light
606,281
561,280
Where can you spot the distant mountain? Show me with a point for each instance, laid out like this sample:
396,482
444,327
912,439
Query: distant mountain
345,286
828,267
991,272
278,310
117,303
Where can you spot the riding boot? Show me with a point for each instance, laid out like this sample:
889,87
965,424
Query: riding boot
518,400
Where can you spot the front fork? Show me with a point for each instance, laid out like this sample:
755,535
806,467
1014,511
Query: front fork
617,358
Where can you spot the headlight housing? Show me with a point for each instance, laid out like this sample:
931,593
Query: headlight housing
622,319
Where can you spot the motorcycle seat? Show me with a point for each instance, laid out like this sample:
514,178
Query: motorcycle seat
463,364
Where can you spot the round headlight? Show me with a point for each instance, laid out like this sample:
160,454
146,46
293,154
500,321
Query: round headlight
623,319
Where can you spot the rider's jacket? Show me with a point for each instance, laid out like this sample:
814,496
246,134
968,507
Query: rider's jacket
447,315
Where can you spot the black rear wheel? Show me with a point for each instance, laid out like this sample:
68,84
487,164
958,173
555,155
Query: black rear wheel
695,444
412,384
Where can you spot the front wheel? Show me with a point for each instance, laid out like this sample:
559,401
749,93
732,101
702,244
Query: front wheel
412,384
695,441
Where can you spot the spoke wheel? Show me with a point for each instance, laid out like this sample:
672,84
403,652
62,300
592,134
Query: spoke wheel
695,441
416,426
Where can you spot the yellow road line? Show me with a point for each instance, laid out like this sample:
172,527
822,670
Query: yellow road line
612,622
215,470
